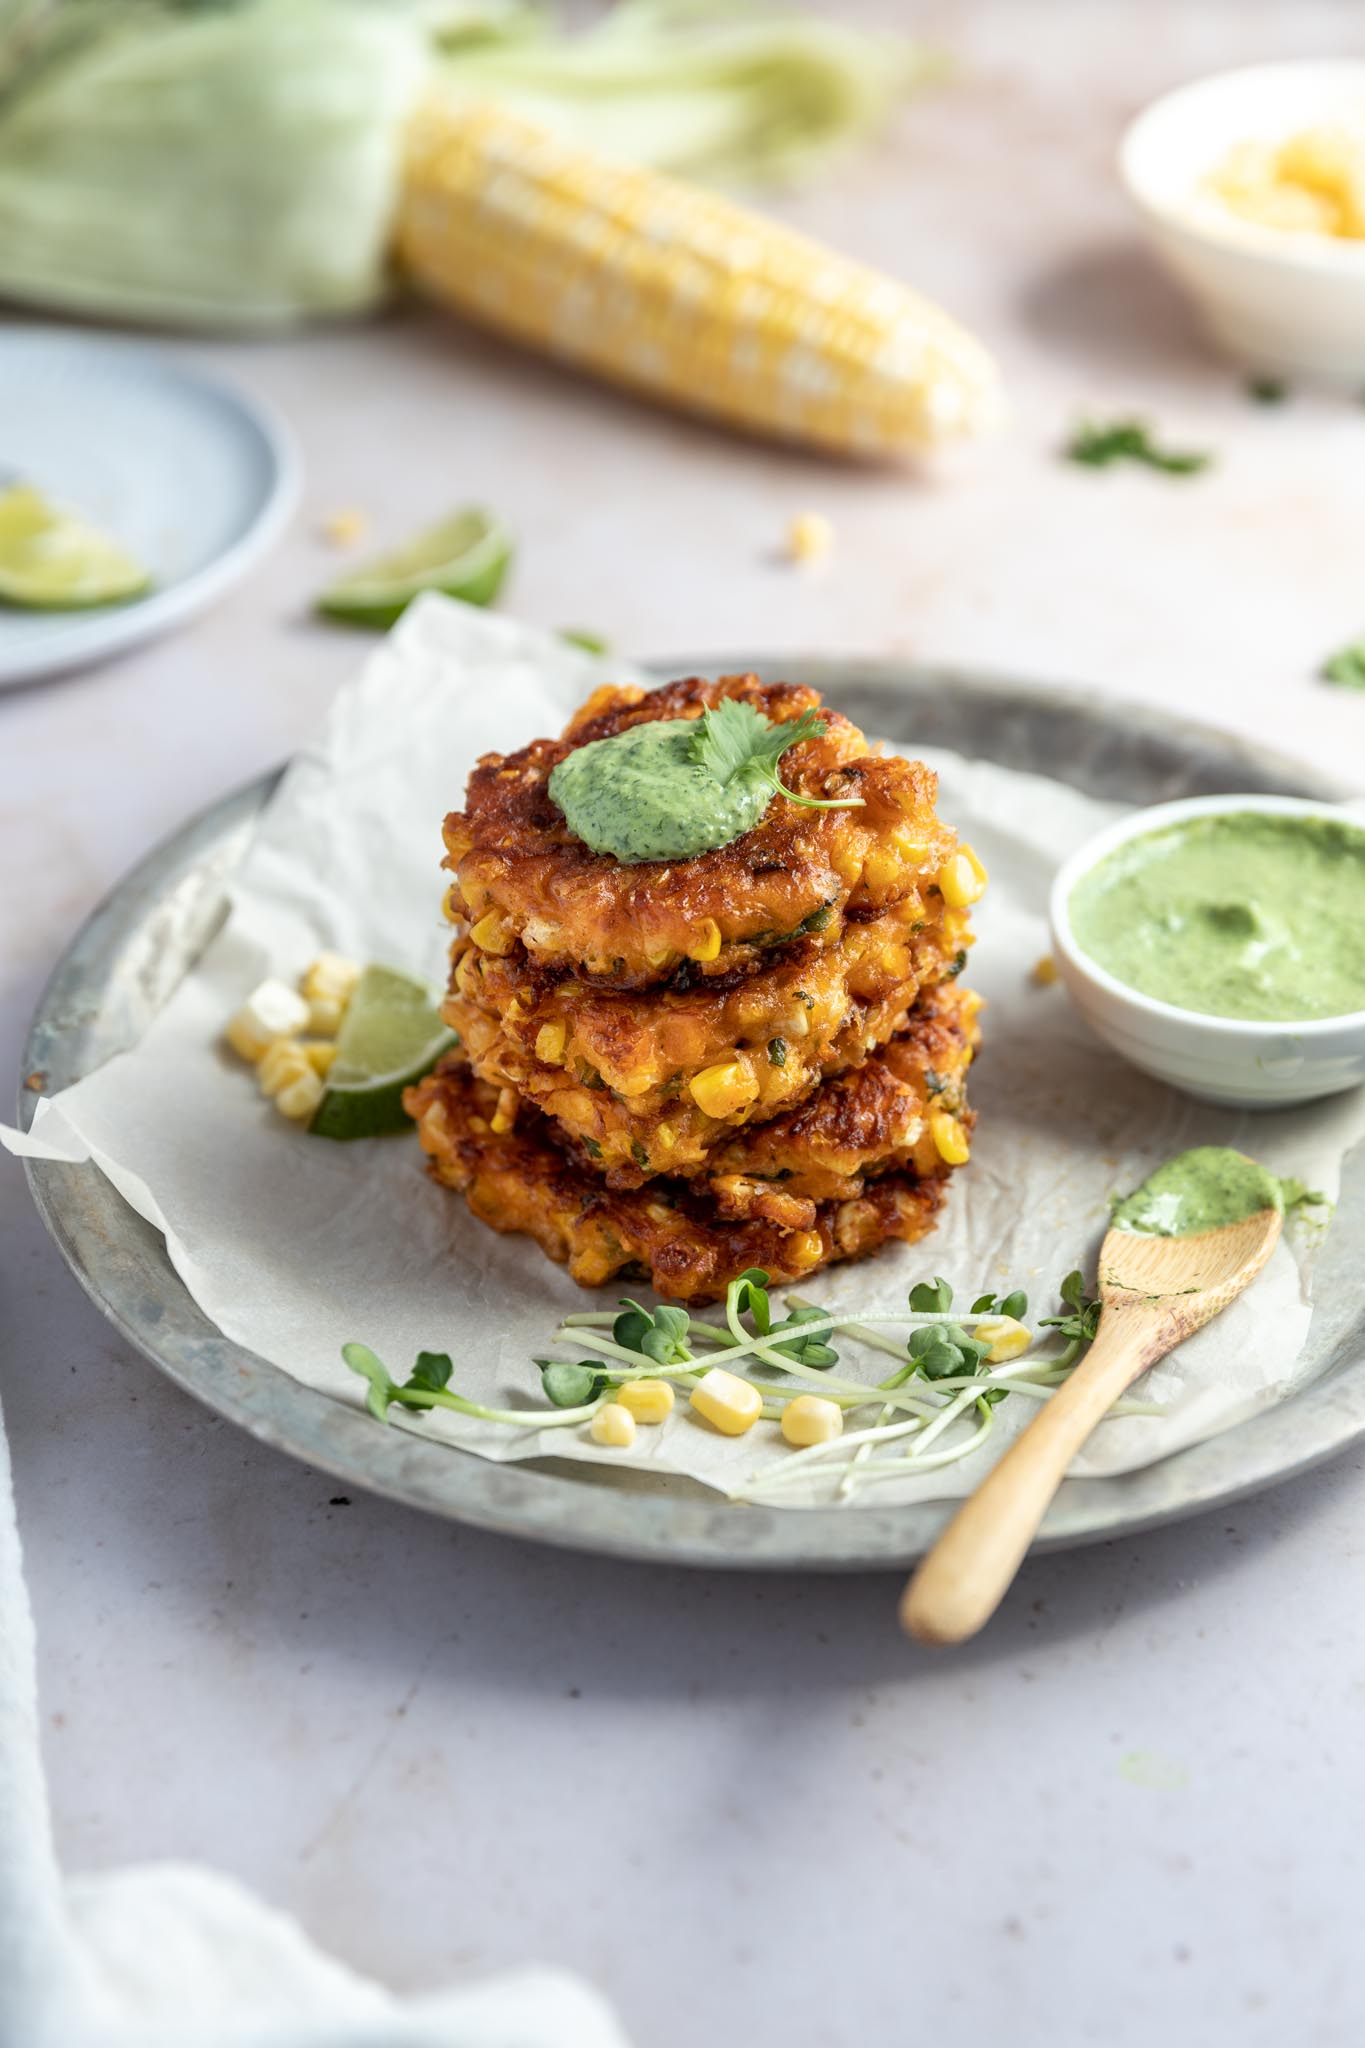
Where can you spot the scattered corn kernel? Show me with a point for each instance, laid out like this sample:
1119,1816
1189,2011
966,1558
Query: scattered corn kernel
727,1402
550,1044
320,1056
345,527
505,1115
811,1419
301,1097
1006,1335
325,1015
706,945
280,1064
332,975
720,1090
271,1011
1045,971
648,1400
810,536
613,1424
950,1138
962,879
492,935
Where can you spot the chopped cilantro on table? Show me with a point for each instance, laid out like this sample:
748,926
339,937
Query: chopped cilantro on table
1346,667
1098,446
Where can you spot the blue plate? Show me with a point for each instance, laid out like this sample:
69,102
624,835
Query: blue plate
191,475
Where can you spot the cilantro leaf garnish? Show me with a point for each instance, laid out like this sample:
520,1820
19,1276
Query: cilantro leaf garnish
1346,666
733,741
1095,446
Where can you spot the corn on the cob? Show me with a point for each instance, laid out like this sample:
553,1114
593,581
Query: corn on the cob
678,293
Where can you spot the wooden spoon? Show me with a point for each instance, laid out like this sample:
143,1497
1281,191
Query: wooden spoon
1156,1292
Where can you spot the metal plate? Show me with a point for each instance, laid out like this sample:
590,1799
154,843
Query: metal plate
123,963
191,474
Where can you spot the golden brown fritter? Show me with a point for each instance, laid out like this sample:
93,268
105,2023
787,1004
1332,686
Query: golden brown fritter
858,1163
880,1118
522,876
649,1081
668,1233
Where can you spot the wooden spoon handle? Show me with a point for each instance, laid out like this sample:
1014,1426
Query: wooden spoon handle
967,1573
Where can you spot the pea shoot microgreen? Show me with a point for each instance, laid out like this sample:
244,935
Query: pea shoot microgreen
572,1386
942,1376
734,742
660,1334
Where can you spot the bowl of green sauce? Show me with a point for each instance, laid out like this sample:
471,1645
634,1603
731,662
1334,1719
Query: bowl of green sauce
1219,943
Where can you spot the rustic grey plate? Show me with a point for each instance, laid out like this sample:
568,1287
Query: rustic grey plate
134,949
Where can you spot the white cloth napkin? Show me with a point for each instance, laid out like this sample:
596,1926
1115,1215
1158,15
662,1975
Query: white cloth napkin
170,1955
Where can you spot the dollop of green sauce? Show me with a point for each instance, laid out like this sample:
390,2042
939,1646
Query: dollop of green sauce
1248,914
1202,1190
641,795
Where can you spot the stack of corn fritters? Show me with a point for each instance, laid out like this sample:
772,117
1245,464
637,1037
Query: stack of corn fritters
755,1057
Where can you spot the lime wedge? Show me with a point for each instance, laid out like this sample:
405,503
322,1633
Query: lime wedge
466,556
53,560
390,1036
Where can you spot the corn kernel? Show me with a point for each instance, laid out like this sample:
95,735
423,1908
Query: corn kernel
727,1402
301,1097
280,1064
648,1400
949,1138
706,944
1045,971
492,935
911,850
811,1419
324,1016
962,879
271,1011
810,536
467,975
505,1115
550,1044
613,1424
345,527
805,1248
720,1090
320,1056
1006,1335
332,975
882,870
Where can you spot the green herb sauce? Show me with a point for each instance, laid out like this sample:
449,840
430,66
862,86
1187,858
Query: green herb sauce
1244,914
1203,1190
641,795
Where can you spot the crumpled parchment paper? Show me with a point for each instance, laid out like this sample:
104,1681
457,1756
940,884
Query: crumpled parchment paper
294,1245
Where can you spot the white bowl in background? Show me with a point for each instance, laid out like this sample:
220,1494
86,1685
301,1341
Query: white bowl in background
1221,1059
1277,302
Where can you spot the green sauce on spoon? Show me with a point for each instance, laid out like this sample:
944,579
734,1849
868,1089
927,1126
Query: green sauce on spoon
1204,1189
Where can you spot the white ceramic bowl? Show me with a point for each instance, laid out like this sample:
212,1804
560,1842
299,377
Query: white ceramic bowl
1282,303
1221,1059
